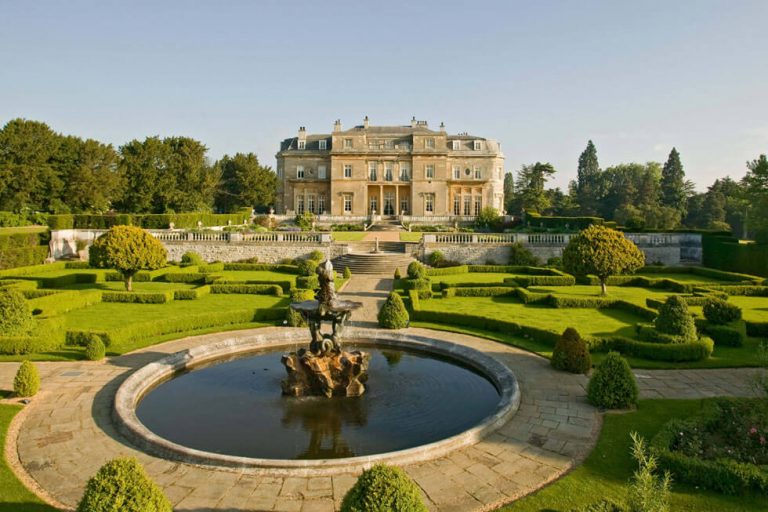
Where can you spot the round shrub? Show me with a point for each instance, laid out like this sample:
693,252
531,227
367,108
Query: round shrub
397,274
718,311
675,319
316,255
521,255
612,384
571,353
347,273
436,259
15,315
294,319
416,270
383,489
27,380
123,485
95,349
192,258
393,314
307,267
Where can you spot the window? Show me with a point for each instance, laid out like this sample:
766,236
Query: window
477,145
388,171
429,203
429,171
429,143
299,204
457,204
322,144
478,204
478,173
321,203
455,145
311,203
467,205
302,144
372,171
456,172
321,172
404,206
347,170
405,172
347,203
300,172
347,143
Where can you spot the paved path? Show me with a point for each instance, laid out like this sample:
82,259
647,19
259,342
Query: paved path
372,291
67,432
383,236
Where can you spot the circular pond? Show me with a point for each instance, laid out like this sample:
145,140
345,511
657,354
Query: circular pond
235,407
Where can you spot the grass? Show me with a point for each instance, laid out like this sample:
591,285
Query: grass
609,467
23,229
407,236
348,236
684,278
13,495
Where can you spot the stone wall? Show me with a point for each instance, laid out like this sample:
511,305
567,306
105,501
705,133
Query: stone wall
234,251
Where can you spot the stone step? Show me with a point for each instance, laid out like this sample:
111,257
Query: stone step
369,247
379,263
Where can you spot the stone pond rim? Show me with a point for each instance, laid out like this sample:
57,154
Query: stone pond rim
146,378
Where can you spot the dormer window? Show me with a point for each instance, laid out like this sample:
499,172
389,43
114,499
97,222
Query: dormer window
347,143
300,172
455,145
477,145
322,144
429,143
302,144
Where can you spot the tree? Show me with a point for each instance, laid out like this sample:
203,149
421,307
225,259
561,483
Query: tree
673,185
488,219
530,186
509,192
603,252
588,191
88,169
756,185
244,183
127,249
194,181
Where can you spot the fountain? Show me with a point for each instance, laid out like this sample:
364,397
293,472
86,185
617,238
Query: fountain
325,369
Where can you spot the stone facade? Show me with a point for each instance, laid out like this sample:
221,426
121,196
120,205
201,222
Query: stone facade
265,252
393,170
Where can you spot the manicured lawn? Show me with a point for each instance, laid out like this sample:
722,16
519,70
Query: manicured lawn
628,293
255,275
472,277
23,229
14,496
138,286
754,309
406,236
609,467
348,236
684,278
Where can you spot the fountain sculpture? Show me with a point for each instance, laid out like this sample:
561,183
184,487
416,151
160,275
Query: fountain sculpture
325,369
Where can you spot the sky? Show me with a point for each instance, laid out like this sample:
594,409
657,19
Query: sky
541,77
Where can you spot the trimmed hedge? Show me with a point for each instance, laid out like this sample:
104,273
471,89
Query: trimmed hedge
138,297
47,335
32,269
12,258
82,338
742,290
78,265
612,384
718,311
288,269
726,253
484,291
253,289
147,221
723,336
64,301
672,352
193,294
187,277
307,282
757,329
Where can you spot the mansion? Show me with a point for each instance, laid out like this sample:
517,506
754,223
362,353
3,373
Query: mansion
390,171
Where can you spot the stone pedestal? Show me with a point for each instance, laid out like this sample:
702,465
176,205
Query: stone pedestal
334,373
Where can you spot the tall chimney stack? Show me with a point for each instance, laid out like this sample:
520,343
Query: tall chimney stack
365,122
337,125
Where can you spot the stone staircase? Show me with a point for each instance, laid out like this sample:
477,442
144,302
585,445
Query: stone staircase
387,225
361,259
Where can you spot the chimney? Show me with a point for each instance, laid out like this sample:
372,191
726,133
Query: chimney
413,122
442,127
337,125
302,132
365,122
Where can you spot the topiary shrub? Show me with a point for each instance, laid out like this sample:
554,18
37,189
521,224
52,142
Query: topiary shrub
393,314
347,273
27,380
416,270
94,348
307,267
675,319
436,259
316,255
191,258
123,485
521,255
718,311
612,384
383,489
571,353
397,274
15,315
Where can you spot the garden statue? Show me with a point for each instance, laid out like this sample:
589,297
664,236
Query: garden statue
325,369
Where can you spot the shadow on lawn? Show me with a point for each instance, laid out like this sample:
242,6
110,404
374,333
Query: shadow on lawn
26,507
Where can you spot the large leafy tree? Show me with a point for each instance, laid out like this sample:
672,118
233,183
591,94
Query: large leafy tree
244,183
127,249
89,172
603,252
673,185
588,190
194,180
756,185
530,186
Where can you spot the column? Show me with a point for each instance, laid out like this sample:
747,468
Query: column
397,200
381,200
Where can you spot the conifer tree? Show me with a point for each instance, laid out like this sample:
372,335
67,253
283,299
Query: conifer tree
588,181
673,183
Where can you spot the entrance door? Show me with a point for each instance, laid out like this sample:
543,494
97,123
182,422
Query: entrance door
389,203
374,205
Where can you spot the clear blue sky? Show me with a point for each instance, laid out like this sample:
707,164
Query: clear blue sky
542,77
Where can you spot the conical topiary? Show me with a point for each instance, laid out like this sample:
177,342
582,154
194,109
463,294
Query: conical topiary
612,385
393,314
15,315
95,349
123,485
27,380
383,489
397,274
347,273
571,353
675,319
